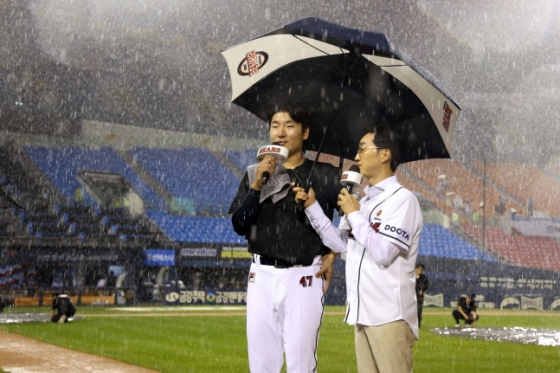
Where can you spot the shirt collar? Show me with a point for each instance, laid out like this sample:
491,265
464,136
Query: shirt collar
377,189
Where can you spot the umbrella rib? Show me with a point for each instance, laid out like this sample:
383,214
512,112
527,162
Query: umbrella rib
322,51
403,65
312,46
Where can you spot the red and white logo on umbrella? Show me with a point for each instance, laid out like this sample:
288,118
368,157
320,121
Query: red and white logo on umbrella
252,63
446,116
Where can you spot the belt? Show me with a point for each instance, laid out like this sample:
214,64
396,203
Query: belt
277,263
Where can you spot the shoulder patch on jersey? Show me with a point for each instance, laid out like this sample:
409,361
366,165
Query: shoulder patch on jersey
252,276
399,231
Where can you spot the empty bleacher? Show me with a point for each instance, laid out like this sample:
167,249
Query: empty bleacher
458,181
241,159
42,224
534,252
190,173
28,192
6,229
524,181
199,229
406,181
61,165
197,175
435,240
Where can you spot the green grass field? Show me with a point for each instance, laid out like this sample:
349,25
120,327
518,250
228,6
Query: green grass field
214,343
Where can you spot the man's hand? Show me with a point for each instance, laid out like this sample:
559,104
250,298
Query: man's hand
327,269
347,202
267,164
300,193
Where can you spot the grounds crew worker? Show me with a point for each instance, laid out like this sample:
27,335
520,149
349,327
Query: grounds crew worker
62,308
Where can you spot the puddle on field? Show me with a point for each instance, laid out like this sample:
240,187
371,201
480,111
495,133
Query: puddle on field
541,337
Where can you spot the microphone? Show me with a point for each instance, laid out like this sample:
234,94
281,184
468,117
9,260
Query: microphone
279,153
350,179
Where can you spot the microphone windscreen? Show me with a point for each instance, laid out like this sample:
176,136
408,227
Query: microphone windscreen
354,168
275,150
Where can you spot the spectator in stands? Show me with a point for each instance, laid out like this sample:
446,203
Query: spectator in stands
466,310
68,279
422,284
112,280
475,216
102,283
2,305
443,184
455,217
45,198
125,201
78,196
530,205
439,188
468,207
62,308
501,208
458,202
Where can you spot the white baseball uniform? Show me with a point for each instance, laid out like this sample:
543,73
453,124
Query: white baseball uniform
382,247
284,299
284,314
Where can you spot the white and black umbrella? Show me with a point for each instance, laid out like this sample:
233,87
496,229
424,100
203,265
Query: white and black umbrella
348,80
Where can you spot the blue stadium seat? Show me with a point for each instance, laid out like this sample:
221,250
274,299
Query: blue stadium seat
191,173
242,159
62,165
202,229
435,240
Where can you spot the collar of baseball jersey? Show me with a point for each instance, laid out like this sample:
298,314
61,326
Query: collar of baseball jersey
373,191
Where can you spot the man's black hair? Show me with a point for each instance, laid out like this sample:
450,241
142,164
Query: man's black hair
420,265
296,111
385,138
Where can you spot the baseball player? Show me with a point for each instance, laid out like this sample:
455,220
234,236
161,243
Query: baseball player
284,296
380,235
62,308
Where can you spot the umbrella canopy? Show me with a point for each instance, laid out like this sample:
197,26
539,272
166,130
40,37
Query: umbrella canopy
348,80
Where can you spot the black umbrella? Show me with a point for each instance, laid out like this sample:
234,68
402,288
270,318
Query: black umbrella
348,80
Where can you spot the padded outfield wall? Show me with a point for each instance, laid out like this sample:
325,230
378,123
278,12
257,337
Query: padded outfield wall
497,285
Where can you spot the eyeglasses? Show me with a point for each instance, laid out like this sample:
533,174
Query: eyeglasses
361,150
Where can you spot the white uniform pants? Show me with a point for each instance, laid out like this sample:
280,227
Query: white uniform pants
284,313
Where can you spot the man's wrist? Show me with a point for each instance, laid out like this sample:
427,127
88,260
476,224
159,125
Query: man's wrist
314,211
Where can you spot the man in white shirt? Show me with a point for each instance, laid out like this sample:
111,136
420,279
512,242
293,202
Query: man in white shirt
380,235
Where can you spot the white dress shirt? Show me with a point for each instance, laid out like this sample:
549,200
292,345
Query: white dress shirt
381,241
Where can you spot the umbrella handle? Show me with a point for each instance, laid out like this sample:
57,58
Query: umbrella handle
297,182
301,202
